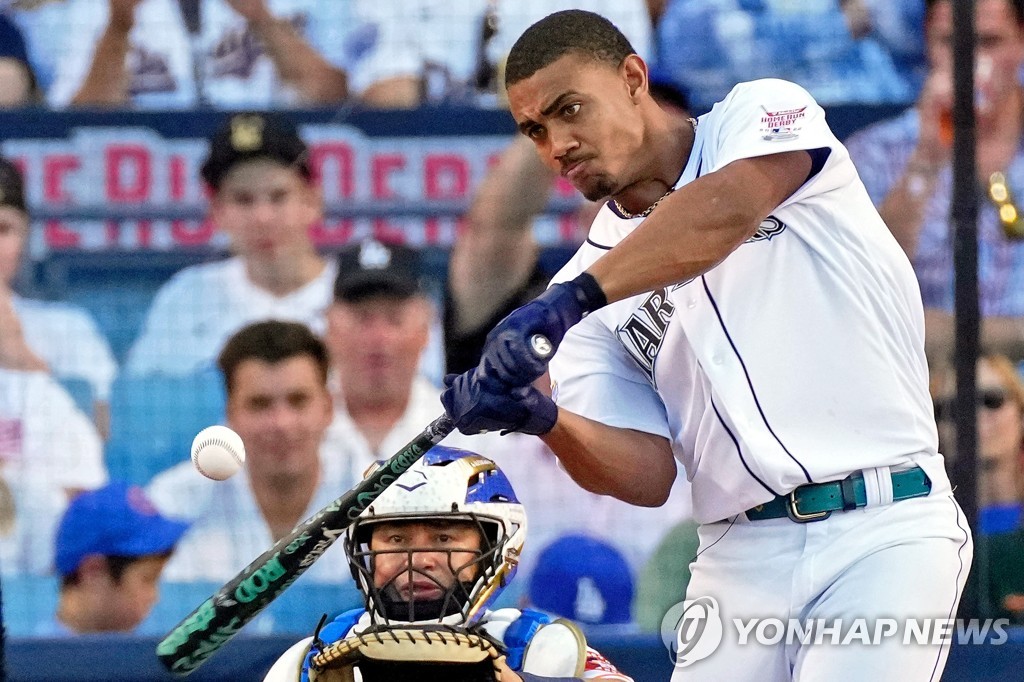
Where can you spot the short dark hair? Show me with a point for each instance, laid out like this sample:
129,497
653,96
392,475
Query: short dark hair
1017,6
272,342
561,33
116,565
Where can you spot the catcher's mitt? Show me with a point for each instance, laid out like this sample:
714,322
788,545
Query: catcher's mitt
424,653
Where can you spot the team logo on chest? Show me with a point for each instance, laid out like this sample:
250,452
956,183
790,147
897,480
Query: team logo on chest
770,227
644,332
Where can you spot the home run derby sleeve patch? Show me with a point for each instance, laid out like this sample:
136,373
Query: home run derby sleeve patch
781,125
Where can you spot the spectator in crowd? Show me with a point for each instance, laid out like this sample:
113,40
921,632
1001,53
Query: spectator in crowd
584,579
663,580
377,331
905,165
45,336
266,200
225,53
840,50
17,79
415,52
275,374
1000,457
494,266
111,547
49,452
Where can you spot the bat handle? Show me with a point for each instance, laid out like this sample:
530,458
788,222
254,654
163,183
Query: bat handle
541,346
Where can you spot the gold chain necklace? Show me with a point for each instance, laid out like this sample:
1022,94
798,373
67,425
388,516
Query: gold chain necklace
647,211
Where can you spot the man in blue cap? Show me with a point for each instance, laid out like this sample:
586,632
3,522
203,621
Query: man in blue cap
111,547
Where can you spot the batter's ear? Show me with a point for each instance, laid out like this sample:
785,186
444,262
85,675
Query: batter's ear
634,70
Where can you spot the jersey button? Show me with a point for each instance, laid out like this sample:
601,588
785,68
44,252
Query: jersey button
691,304
717,359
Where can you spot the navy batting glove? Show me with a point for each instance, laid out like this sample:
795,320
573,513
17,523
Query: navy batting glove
509,357
477,406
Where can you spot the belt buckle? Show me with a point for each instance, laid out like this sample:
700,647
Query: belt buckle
794,513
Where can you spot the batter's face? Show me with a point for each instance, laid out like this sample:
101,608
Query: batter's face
281,412
429,544
13,233
376,344
267,210
583,116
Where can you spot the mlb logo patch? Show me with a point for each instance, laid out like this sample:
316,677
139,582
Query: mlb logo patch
781,125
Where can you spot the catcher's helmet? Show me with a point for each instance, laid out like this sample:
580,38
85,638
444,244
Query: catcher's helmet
451,485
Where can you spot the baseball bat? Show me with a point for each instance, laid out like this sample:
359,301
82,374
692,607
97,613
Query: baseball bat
241,599
219,618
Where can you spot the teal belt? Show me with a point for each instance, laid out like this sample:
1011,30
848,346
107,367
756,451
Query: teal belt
817,501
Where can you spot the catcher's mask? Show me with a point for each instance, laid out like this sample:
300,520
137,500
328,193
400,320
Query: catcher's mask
446,485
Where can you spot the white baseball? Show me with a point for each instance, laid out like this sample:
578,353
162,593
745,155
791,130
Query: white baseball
218,452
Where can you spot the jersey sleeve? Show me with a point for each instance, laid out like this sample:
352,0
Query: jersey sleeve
594,377
772,116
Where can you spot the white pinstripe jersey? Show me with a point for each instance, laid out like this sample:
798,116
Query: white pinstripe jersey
799,358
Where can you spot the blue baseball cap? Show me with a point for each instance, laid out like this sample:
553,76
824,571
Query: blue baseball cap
583,579
115,520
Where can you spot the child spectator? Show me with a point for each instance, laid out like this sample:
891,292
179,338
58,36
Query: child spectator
110,550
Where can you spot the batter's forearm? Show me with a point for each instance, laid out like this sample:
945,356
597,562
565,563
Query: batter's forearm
633,466
698,226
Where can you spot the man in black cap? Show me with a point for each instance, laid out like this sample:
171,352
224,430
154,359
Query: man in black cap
264,197
378,328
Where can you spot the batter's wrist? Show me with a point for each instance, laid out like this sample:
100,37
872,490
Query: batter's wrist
589,293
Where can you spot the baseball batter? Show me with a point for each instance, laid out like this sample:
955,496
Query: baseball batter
755,321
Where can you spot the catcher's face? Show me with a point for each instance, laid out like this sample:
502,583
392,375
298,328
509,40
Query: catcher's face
421,560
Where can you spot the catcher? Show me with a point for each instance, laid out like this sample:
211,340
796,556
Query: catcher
429,556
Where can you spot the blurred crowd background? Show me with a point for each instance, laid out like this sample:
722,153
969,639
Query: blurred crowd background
179,173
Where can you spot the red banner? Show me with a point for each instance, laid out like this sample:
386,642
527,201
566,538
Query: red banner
116,167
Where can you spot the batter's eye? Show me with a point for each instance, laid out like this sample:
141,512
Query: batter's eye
571,110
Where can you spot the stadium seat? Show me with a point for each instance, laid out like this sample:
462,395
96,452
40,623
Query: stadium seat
154,418
118,309
29,602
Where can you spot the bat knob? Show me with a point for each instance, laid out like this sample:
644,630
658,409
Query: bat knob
541,346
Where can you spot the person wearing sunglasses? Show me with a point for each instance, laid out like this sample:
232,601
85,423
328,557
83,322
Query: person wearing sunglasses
905,163
1000,400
